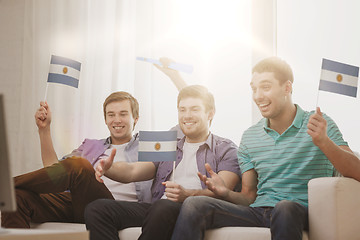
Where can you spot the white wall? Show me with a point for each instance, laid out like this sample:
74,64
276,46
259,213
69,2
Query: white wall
219,48
11,52
309,31
215,38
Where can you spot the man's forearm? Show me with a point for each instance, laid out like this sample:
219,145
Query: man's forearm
178,81
48,154
120,172
238,198
200,192
125,172
343,159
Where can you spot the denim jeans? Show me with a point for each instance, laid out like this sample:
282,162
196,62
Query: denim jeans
105,217
160,220
286,220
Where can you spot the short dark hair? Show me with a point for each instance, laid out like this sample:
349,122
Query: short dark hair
198,91
281,69
121,96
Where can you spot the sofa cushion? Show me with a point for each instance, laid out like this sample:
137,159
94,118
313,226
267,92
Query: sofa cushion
225,233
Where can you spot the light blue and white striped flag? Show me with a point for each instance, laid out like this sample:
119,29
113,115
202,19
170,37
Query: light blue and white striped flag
176,66
64,71
339,78
157,146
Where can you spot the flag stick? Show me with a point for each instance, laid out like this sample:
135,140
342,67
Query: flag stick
46,90
317,99
173,175
47,83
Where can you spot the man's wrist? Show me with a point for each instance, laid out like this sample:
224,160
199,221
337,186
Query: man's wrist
324,144
45,130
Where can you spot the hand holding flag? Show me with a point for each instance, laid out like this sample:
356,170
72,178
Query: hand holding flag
175,192
43,116
171,73
176,66
164,67
317,127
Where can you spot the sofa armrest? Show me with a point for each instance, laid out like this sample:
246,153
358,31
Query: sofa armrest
334,208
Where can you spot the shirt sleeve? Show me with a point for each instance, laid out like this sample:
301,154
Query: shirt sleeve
76,152
228,160
244,158
334,133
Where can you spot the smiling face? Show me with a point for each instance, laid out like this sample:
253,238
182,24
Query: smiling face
194,120
272,98
120,121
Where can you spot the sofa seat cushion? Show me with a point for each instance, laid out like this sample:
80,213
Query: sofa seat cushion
225,233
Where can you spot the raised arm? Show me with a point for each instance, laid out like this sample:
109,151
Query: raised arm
43,121
342,158
124,172
218,186
171,73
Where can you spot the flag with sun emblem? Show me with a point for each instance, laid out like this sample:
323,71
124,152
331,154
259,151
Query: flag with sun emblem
339,78
64,70
157,146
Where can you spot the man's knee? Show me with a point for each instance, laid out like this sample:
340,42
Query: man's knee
25,199
195,203
288,220
163,210
95,210
78,164
164,206
289,209
20,218
286,205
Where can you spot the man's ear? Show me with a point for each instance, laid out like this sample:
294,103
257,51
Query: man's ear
288,86
211,115
135,122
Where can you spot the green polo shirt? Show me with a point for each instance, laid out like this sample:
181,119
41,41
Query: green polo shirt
285,163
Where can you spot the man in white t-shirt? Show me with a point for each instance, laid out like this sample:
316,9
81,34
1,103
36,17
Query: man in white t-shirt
41,195
120,191
196,109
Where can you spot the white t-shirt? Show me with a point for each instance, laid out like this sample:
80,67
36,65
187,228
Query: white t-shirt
120,191
186,171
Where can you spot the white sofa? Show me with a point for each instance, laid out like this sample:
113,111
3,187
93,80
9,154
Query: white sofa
334,214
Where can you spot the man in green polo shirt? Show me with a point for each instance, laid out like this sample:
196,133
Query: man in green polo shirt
277,156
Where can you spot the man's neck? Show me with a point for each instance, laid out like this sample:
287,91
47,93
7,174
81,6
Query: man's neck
115,141
198,139
283,122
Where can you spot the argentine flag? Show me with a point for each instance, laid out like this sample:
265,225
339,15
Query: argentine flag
64,71
157,146
176,66
339,78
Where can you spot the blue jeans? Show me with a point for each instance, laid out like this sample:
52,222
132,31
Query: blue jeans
160,220
105,217
286,220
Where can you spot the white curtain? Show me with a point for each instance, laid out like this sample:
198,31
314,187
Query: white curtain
100,35
106,37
